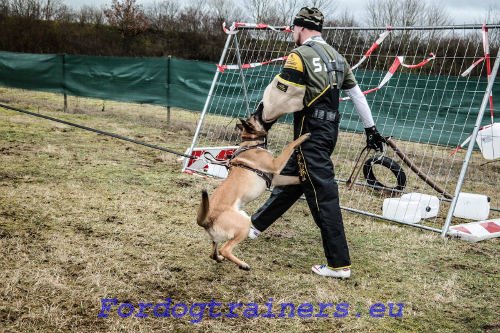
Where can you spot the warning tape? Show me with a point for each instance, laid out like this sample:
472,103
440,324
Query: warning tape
233,28
486,58
468,70
486,47
222,68
372,48
395,65
486,50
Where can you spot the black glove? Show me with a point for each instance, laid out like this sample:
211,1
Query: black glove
258,113
374,140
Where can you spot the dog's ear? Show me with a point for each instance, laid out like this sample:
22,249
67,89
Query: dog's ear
246,125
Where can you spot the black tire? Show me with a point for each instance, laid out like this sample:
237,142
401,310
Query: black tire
389,164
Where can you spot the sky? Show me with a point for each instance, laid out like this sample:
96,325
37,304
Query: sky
460,11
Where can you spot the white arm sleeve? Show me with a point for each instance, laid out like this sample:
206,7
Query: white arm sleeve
361,106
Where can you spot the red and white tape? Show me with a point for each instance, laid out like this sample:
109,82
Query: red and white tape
222,68
468,70
372,48
486,50
395,65
486,47
233,29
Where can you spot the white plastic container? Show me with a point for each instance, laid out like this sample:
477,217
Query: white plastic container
428,204
401,210
488,140
217,170
472,206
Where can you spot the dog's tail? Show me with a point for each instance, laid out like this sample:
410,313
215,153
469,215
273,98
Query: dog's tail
203,210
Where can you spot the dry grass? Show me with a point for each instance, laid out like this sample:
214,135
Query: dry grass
85,217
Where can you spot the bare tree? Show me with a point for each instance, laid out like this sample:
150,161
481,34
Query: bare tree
163,14
343,18
383,12
326,6
226,10
286,9
128,16
26,8
436,15
4,7
492,16
261,10
406,13
193,17
90,15
56,10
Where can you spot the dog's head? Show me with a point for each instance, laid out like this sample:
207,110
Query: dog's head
252,128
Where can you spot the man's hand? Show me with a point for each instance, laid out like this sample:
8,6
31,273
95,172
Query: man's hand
258,114
374,140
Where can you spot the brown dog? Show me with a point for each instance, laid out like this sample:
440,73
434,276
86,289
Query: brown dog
252,167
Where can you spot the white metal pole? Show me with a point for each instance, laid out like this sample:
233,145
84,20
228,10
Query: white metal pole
207,103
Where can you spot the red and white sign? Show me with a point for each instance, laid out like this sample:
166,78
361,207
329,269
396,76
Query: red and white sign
476,231
202,163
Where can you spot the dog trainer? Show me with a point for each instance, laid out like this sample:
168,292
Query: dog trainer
308,86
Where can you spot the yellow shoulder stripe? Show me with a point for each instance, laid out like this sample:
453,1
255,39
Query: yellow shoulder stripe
288,82
294,62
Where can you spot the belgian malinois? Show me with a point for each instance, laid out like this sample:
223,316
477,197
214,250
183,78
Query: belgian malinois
252,168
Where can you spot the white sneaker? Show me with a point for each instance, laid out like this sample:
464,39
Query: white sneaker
253,232
324,270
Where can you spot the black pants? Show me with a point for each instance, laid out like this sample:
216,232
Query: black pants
313,164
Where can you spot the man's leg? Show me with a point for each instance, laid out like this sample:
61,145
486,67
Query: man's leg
322,194
281,199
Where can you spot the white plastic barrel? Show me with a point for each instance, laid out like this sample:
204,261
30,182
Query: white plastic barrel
401,210
488,140
472,206
428,204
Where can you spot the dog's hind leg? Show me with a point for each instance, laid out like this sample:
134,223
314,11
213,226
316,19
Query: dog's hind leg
238,225
215,253
227,251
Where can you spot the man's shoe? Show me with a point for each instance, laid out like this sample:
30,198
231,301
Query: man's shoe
253,232
324,270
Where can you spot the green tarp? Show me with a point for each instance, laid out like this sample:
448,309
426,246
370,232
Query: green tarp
162,81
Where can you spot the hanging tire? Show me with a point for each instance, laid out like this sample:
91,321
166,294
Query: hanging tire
388,163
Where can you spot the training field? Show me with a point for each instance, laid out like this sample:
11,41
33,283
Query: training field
84,217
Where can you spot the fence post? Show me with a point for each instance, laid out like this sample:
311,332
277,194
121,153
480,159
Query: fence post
168,89
465,165
65,108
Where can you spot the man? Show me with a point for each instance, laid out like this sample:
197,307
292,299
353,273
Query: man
308,86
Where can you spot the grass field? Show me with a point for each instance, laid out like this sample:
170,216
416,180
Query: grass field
85,217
